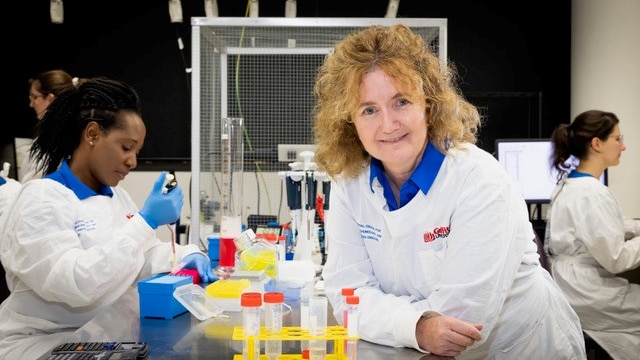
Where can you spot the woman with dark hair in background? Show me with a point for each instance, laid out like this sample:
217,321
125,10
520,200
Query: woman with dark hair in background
74,242
43,89
587,237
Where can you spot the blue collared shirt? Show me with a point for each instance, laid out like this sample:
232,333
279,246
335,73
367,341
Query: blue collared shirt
421,179
65,177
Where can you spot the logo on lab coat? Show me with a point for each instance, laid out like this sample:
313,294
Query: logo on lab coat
439,232
369,232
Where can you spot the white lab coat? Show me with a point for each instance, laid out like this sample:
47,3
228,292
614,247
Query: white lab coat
586,238
465,249
67,259
7,192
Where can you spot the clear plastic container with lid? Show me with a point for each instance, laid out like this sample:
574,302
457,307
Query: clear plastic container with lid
256,254
346,292
273,310
251,303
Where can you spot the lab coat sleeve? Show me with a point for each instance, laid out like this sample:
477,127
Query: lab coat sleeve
631,228
80,253
491,240
384,318
602,231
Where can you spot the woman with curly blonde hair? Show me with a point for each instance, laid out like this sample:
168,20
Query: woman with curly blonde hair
427,227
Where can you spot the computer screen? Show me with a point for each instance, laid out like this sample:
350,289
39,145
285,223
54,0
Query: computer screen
528,161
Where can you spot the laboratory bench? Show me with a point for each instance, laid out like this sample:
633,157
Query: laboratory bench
187,337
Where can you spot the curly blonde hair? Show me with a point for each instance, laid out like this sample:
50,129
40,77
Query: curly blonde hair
404,56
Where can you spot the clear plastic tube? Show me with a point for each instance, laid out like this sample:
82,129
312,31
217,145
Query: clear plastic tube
273,309
353,318
305,296
318,327
251,303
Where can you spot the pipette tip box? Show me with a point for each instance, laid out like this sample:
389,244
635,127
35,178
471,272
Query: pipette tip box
156,296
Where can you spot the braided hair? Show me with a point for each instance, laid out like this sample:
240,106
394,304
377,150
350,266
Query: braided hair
59,132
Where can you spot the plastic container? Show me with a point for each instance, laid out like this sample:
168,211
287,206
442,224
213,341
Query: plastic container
251,303
226,293
194,299
156,296
273,323
254,253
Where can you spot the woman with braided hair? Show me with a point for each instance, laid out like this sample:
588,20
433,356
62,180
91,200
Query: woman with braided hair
74,242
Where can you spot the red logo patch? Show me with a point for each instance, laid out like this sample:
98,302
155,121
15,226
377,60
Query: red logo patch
439,232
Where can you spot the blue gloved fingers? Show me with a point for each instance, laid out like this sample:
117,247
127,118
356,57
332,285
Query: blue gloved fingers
201,263
159,208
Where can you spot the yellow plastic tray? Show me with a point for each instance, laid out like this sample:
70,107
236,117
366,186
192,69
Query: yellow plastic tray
295,333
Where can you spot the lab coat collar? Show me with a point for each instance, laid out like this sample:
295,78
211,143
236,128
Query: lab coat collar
65,177
423,176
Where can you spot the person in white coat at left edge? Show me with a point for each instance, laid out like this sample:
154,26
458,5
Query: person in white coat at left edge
74,242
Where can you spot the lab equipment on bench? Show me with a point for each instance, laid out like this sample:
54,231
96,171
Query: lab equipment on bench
231,203
302,183
156,296
255,253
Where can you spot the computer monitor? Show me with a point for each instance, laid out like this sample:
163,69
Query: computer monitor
528,161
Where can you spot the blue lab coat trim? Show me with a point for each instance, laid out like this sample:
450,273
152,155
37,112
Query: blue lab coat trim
577,174
65,177
421,179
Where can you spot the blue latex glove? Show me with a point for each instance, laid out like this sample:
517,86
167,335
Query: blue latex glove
202,263
2,181
159,208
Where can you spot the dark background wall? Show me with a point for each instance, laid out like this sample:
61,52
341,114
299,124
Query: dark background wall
512,58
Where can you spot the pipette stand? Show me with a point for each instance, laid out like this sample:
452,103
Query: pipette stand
303,219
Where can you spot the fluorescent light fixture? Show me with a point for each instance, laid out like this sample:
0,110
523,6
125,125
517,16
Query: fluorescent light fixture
392,8
254,6
57,11
211,8
175,11
290,8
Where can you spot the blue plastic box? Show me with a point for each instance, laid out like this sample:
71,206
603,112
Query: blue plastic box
156,296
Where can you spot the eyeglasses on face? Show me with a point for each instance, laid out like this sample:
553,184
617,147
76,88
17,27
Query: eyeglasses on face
618,138
32,97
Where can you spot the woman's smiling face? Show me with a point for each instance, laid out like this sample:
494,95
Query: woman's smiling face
390,122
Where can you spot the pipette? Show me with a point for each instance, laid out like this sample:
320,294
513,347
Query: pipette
170,184
294,200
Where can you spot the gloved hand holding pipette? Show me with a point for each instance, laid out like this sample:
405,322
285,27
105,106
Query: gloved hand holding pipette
162,207
200,262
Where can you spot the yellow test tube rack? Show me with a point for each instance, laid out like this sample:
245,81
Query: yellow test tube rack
295,333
